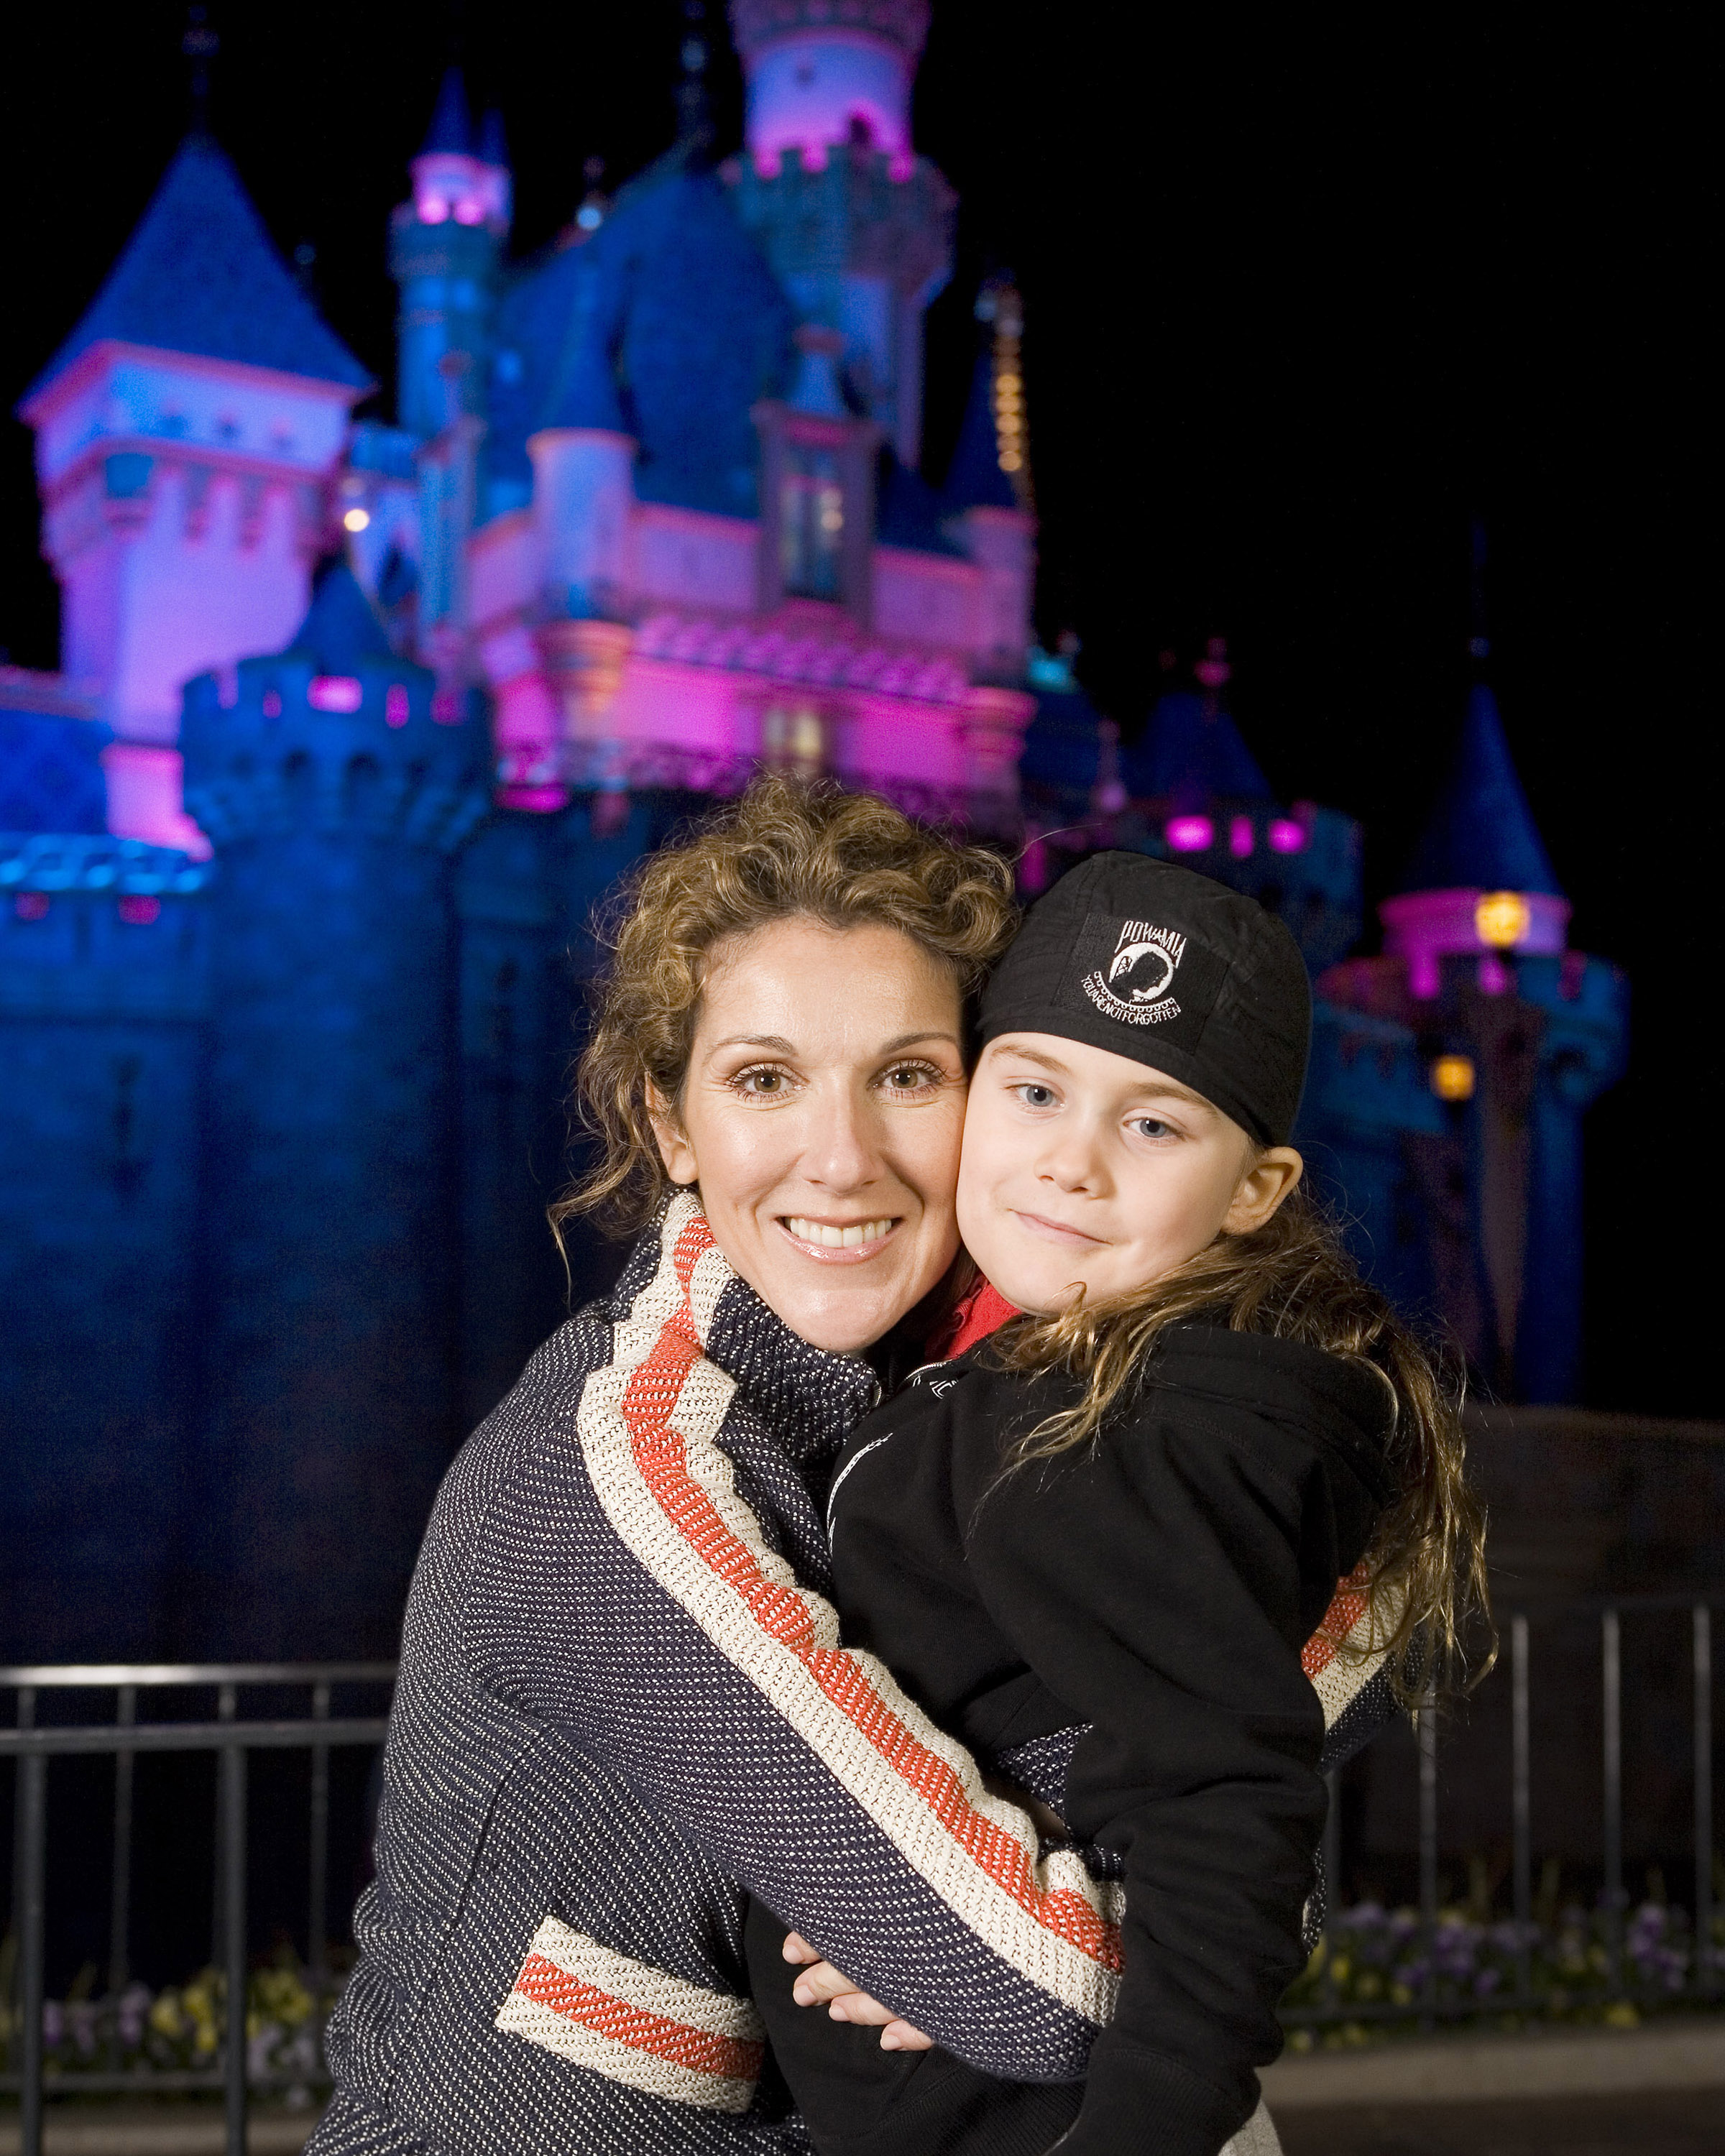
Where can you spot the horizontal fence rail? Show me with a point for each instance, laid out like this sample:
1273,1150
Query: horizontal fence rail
33,1745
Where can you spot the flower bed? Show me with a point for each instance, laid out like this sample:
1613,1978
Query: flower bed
179,2030
1373,1962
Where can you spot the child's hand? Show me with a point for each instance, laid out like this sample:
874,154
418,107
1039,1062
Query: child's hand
821,1981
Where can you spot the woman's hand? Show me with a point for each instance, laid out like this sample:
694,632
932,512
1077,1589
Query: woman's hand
820,1981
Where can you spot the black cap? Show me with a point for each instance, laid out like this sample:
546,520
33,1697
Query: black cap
1171,969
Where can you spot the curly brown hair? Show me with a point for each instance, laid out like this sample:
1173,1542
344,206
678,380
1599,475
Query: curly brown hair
788,848
1292,1277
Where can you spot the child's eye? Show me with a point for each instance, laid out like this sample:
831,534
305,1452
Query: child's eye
1036,1097
1151,1126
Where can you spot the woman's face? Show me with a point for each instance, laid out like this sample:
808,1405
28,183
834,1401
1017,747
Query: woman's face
821,1117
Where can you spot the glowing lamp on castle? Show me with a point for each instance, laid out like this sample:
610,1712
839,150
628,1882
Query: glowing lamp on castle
1501,919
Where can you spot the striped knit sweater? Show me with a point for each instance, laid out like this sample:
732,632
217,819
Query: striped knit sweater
622,1706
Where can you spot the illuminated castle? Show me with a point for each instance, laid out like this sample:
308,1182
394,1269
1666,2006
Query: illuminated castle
298,858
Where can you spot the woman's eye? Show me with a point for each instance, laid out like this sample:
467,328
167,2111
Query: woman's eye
910,1077
767,1084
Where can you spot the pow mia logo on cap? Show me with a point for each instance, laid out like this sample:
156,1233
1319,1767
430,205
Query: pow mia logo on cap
1137,986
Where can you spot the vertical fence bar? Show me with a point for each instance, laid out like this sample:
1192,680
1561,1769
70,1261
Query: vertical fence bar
120,1877
1611,1677
1428,1856
1522,1806
24,1711
234,1957
1703,1797
226,1705
317,1913
33,1855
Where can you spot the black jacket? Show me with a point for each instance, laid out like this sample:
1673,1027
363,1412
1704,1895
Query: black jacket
1119,1629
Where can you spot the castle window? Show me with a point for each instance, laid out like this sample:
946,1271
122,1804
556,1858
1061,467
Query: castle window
139,911
335,692
811,524
31,905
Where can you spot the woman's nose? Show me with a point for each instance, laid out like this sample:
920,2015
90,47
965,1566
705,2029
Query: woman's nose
842,1152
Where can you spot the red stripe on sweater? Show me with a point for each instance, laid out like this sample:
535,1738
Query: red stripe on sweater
781,1615
1345,1611
731,2057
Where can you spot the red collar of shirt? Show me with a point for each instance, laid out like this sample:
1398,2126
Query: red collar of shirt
983,1310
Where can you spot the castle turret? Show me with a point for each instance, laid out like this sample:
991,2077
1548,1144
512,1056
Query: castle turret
858,228
1518,1034
445,251
337,796
185,434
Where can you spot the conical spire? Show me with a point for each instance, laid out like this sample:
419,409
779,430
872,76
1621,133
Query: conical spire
584,391
974,478
493,141
342,627
200,276
451,129
1190,754
1481,836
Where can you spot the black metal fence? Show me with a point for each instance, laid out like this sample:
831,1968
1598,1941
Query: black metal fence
1417,1987
1412,1978
31,1746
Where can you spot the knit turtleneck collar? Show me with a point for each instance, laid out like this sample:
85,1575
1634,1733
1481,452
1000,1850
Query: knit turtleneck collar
808,1397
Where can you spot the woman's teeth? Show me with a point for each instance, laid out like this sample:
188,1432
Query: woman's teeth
839,1238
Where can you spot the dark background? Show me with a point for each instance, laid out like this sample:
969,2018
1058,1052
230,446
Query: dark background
1301,302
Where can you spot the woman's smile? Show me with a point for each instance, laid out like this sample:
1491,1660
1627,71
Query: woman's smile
839,1242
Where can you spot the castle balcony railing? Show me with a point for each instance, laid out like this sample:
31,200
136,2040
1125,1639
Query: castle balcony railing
1615,1966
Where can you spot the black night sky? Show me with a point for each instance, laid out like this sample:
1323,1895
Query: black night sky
1301,301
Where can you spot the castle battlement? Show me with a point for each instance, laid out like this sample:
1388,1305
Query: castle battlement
374,752
100,928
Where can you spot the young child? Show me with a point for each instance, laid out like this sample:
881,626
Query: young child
1094,1546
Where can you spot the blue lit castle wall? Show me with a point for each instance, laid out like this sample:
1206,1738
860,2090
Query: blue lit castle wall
103,1028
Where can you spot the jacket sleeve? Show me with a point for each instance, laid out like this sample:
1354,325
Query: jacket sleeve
1154,1582
626,1591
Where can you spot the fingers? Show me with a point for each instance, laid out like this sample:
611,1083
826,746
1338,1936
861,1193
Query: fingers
796,1947
821,1983
858,2006
904,2036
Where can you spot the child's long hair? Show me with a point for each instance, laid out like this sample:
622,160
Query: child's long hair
1291,1278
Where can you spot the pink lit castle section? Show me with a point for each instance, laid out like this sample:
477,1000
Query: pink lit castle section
356,720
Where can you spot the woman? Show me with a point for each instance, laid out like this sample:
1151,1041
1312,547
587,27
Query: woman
615,1658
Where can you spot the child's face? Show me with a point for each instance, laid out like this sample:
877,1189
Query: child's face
1082,1170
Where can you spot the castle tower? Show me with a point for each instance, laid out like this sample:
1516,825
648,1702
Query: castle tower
446,249
336,797
1519,1033
185,434
858,228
